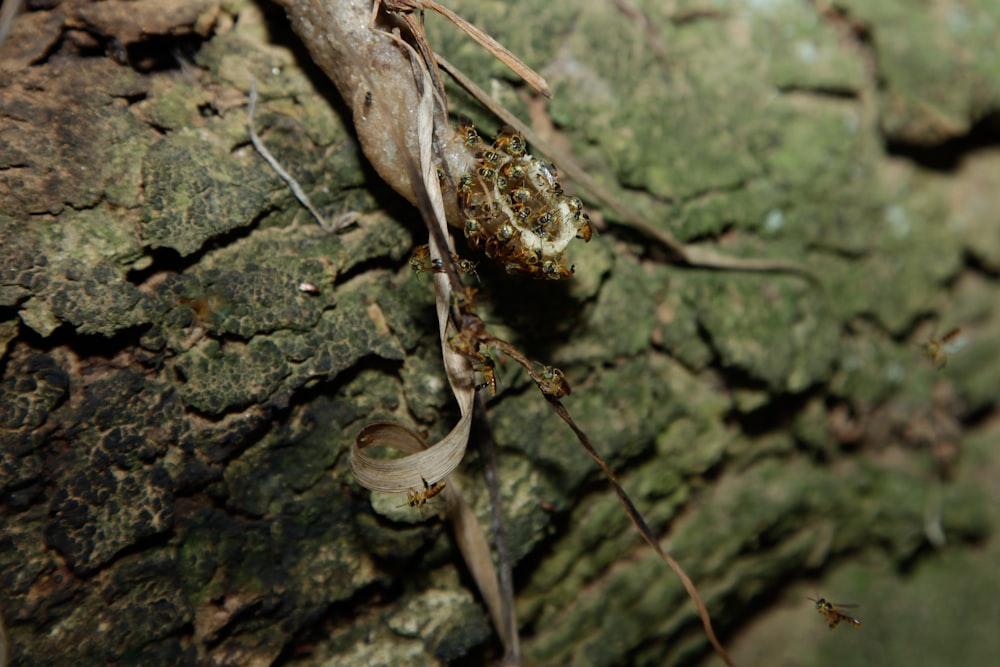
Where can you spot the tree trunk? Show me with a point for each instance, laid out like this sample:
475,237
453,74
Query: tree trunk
186,356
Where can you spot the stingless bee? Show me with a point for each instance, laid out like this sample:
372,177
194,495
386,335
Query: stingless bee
938,349
488,369
416,498
831,612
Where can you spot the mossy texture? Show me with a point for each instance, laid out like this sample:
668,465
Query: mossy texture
185,355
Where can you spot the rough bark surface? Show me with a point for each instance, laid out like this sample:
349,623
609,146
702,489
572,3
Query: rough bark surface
175,409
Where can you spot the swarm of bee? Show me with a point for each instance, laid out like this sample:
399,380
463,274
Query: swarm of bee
515,209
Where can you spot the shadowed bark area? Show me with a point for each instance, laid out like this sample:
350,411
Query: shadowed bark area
176,405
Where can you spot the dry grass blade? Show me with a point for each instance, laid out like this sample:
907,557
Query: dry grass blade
399,475
373,59
8,11
530,76
505,577
478,557
468,533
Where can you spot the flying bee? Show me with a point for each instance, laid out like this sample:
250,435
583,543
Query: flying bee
416,498
831,612
487,367
938,349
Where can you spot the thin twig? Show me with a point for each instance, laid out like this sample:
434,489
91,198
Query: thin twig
487,450
297,190
530,76
496,49
630,509
643,528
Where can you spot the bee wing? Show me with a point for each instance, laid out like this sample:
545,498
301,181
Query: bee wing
953,346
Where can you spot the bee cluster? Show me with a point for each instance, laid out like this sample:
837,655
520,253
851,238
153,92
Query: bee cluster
515,209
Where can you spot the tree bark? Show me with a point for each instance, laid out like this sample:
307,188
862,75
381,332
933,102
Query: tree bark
185,356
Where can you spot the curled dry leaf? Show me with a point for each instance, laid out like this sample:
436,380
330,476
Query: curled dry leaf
413,144
382,77
468,533
361,61
381,67
401,475
399,115
416,151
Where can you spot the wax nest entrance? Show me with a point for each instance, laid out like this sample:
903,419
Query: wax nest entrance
514,207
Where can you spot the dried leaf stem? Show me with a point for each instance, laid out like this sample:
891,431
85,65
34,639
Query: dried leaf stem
505,578
496,49
640,524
